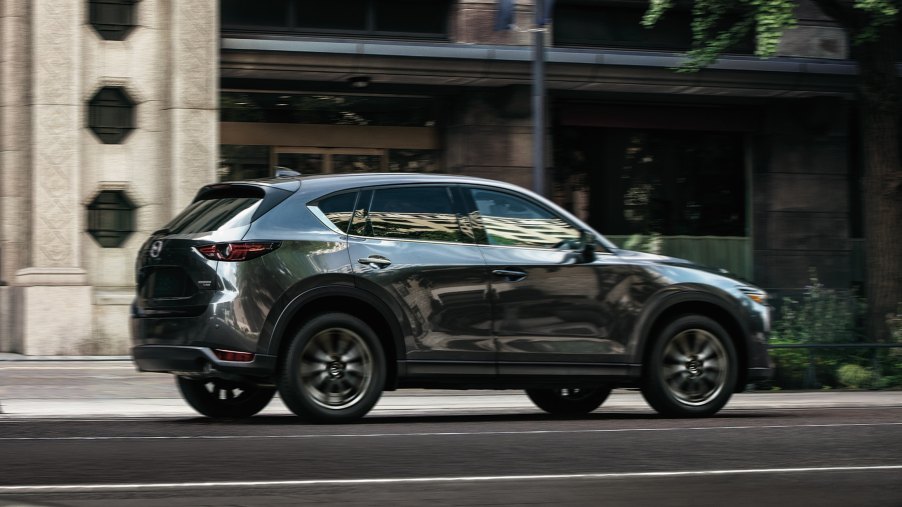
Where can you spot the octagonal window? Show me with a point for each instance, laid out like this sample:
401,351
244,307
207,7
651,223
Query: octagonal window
111,218
113,19
111,114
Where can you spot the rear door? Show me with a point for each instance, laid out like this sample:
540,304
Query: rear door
415,244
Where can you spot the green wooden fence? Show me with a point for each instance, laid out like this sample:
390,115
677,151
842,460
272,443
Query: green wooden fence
728,252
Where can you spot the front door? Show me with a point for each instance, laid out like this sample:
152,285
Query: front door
549,305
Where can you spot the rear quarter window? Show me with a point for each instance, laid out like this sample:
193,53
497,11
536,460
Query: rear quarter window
214,214
339,209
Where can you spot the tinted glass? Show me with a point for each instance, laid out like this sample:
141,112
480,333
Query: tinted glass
272,13
510,220
411,16
214,214
421,213
243,162
644,181
344,15
611,24
339,209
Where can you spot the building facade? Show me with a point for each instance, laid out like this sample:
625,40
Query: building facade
114,112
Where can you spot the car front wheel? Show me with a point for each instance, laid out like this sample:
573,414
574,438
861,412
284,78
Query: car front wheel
333,371
570,401
224,399
691,369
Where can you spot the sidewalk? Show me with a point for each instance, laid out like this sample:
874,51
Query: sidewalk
111,387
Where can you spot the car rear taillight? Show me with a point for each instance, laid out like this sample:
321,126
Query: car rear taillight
234,355
233,252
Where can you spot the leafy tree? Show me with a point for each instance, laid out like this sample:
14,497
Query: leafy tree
718,25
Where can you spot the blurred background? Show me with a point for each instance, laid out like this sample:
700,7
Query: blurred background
114,112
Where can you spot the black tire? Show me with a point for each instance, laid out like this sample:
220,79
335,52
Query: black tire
575,401
691,370
224,399
333,371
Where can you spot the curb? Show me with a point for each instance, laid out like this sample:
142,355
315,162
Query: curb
21,357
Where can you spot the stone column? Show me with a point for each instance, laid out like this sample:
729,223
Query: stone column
801,195
194,101
53,297
14,137
490,135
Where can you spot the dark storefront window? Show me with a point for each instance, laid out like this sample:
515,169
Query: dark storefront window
362,110
606,24
414,161
424,19
239,162
258,13
642,181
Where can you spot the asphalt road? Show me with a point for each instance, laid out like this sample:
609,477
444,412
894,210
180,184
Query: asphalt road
843,457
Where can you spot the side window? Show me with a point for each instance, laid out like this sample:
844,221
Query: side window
339,209
510,220
421,213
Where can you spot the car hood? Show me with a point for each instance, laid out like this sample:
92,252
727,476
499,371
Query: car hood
676,261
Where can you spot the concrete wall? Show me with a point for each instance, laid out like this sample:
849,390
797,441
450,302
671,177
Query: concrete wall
67,294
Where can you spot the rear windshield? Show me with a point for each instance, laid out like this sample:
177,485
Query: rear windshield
214,214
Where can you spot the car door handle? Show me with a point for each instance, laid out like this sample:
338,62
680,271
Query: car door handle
511,274
375,261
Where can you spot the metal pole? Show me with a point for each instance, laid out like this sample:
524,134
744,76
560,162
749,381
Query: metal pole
538,102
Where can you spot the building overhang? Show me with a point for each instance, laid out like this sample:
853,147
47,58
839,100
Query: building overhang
452,65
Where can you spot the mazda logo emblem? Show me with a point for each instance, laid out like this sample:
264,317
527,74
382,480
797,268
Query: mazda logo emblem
156,248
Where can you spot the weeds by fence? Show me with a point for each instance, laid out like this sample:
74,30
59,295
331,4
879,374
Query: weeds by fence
817,342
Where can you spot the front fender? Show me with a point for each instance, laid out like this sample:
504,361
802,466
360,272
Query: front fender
690,298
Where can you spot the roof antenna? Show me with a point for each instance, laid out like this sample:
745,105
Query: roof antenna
284,172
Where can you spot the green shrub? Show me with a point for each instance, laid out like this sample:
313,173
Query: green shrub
826,316
856,376
820,316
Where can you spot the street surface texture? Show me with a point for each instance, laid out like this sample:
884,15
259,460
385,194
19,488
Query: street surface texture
98,434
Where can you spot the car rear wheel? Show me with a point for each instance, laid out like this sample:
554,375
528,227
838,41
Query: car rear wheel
224,399
333,370
571,401
691,370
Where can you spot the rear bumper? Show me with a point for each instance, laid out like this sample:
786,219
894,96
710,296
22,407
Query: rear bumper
188,360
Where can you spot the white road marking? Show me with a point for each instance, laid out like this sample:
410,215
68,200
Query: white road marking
10,367
62,488
445,433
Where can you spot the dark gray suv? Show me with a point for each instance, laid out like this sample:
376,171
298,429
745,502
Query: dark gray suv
332,289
